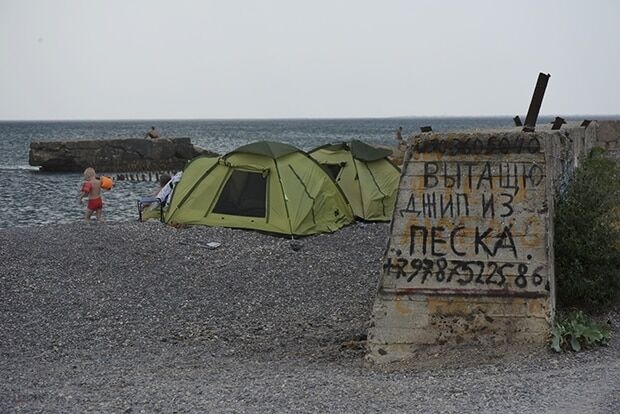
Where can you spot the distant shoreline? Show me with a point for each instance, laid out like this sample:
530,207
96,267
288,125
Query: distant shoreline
336,118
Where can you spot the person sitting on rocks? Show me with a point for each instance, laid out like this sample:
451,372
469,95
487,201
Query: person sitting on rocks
152,133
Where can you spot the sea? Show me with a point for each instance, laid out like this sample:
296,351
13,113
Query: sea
29,197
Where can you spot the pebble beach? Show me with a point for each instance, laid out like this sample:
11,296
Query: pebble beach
141,318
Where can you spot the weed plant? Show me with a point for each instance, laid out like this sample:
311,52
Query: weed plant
577,332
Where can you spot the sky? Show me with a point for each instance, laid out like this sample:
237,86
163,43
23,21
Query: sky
230,59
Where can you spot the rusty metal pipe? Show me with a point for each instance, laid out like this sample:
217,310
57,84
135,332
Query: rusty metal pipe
536,102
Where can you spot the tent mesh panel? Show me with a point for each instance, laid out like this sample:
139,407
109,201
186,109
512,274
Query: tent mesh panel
244,194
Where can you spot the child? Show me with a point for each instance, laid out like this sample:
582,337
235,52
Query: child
91,188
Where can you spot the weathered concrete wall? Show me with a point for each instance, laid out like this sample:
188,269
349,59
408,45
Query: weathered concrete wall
470,259
565,150
114,155
606,135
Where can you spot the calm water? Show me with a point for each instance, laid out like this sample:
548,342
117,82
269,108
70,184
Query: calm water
29,197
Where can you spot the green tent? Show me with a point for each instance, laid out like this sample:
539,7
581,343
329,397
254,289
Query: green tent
365,174
267,186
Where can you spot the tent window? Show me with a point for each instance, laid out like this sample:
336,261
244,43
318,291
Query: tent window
332,169
244,194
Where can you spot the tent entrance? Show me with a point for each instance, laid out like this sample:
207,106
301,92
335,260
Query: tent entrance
333,169
244,194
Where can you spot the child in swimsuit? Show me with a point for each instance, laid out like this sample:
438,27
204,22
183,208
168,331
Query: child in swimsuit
91,188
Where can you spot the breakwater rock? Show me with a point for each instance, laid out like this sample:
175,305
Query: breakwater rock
114,155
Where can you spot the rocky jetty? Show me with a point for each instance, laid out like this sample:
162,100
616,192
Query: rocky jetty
114,155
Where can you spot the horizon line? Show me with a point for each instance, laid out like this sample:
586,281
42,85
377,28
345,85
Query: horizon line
296,118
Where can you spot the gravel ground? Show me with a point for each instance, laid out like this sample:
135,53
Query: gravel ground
132,318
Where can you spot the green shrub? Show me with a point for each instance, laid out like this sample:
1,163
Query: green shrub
587,237
576,332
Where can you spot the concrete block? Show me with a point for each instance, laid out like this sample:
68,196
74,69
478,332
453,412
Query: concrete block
469,260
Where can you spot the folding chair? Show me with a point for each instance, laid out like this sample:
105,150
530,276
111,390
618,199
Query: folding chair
150,201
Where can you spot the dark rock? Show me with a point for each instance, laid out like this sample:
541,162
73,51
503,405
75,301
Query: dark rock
115,155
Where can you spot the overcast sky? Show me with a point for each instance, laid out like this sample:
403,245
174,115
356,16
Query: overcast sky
284,58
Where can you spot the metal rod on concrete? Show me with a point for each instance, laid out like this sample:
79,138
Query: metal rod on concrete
517,121
536,103
557,123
